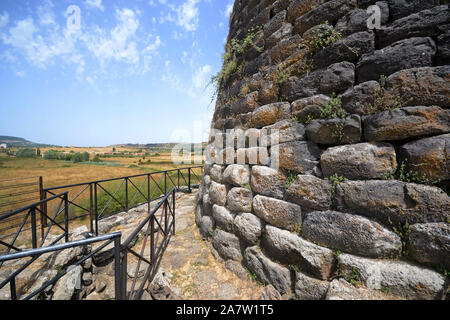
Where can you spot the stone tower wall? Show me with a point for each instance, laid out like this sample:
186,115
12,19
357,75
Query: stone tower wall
359,204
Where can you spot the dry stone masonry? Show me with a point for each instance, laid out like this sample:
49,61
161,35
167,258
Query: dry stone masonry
346,193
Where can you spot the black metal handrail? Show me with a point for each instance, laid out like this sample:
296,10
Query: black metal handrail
166,228
98,204
31,211
36,253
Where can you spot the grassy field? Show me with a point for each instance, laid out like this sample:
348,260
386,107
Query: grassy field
57,173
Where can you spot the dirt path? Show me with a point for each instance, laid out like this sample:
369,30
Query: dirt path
194,272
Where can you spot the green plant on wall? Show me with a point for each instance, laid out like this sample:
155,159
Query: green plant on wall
333,108
335,180
412,176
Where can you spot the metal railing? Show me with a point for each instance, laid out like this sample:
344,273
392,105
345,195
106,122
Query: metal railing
34,254
158,233
28,230
103,198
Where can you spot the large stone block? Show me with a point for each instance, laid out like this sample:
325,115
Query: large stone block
335,131
350,233
427,157
240,200
403,279
429,243
393,201
310,193
271,113
359,161
330,11
336,78
339,289
346,49
227,245
307,288
443,49
427,86
358,99
404,54
218,193
298,8
267,181
402,8
206,226
286,130
309,108
292,249
237,175
248,227
299,156
267,271
223,218
426,23
279,213
408,122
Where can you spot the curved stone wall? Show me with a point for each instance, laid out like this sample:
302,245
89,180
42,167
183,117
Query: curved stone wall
351,200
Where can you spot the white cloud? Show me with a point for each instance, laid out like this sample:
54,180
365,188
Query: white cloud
228,10
20,74
96,4
4,19
188,15
199,78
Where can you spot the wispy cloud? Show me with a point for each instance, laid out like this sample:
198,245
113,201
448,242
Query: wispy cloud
95,4
4,19
188,15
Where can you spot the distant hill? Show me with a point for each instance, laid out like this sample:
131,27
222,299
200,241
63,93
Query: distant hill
162,146
17,142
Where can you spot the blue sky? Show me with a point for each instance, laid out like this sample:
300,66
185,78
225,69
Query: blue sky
101,72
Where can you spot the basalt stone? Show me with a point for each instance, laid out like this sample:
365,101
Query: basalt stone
274,24
286,131
427,23
267,181
223,218
299,156
216,173
227,245
356,20
402,278
359,161
266,270
402,8
393,201
248,227
429,243
237,175
298,8
268,93
309,108
347,49
207,205
206,226
428,86
271,113
335,131
350,233
218,193
310,193
339,289
279,213
278,6
284,32
337,77
248,104
292,249
239,200
408,122
404,54
443,48
330,11
358,99
285,48
427,157
307,288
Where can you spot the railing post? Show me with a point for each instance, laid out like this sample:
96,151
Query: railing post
178,174
189,180
148,193
173,211
152,239
117,273
126,193
42,207
96,208
166,225
165,182
66,216
124,276
91,207
33,227
12,288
